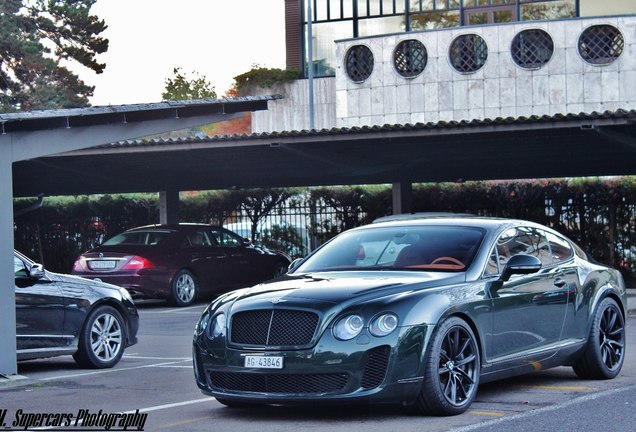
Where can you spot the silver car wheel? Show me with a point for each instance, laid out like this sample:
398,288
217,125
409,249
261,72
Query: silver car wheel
106,337
185,288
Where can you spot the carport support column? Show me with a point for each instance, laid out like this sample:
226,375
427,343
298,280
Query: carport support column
169,207
402,197
8,364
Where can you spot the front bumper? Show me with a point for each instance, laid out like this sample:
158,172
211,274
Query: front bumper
387,370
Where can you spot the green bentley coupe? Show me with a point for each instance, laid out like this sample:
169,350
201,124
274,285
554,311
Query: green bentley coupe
415,310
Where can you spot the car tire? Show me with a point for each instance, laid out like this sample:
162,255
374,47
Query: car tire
102,339
605,351
184,288
451,374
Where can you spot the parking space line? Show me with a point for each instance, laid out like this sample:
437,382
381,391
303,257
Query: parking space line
146,410
105,371
174,310
543,410
176,366
558,387
133,356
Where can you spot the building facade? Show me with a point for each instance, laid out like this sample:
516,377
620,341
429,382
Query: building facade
418,61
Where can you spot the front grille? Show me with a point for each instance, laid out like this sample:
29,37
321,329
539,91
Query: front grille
279,383
375,368
273,327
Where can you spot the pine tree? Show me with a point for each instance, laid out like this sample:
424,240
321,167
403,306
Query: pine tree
37,37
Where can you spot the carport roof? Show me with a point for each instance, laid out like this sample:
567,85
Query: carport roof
585,144
91,116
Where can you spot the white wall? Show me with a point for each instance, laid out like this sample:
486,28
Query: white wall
566,84
292,112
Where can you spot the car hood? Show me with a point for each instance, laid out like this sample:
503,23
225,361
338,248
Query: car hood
80,282
339,287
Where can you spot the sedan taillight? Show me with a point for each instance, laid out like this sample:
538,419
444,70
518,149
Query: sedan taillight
78,264
138,263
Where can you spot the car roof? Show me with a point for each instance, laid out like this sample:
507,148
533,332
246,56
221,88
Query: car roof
490,223
173,227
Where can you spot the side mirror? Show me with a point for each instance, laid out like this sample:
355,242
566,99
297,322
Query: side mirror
520,264
294,264
36,271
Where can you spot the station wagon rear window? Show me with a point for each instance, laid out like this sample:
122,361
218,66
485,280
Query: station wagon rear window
149,237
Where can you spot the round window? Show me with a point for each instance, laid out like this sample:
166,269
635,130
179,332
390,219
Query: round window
468,53
409,58
359,63
601,44
531,49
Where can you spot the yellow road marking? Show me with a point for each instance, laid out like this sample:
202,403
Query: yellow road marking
487,413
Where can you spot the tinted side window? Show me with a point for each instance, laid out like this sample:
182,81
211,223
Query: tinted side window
523,240
560,247
19,268
225,238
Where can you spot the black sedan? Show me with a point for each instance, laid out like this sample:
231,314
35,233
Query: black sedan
180,262
61,315
415,311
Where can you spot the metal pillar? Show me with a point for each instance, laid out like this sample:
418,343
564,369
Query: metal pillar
402,198
169,207
8,364
18,146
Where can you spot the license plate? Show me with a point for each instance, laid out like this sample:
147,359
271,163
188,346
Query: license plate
102,265
264,362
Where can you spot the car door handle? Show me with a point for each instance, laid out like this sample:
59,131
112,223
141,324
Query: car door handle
559,283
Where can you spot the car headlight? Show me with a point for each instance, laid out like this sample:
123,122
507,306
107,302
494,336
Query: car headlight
383,325
348,327
217,326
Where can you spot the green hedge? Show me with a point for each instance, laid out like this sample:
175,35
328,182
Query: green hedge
599,214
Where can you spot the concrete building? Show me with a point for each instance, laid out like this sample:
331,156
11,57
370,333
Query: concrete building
418,61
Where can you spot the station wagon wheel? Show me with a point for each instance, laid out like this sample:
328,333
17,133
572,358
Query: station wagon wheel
184,288
605,352
101,342
451,370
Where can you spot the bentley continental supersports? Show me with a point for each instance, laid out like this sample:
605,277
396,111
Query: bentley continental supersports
416,311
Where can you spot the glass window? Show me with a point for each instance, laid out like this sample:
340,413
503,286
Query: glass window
225,238
468,53
546,10
531,49
410,58
334,9
424,248
492,266
560,247
379,26
434,20
601,44
145,237
324,36
359,63
19,268
523,240
197,239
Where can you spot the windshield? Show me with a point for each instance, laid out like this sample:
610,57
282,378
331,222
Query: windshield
146,237
424,248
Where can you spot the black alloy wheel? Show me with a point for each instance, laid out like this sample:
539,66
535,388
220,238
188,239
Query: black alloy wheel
605,352
452,370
